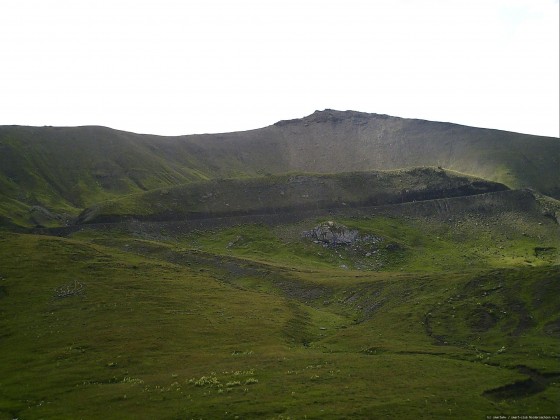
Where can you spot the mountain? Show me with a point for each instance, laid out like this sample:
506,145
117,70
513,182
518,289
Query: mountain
342,265
64,170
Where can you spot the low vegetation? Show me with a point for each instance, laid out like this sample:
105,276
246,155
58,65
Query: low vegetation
287,194
182,279
258,320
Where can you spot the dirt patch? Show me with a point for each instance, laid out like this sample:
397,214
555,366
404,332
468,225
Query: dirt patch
543,289
439,340
542,251
536,383
483,318
525,320
552,329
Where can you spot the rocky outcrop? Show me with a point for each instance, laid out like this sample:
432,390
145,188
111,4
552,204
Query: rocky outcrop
332,234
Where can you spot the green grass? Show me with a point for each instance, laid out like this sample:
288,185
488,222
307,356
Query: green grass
280,194
136,318
410,244
163,331
451,311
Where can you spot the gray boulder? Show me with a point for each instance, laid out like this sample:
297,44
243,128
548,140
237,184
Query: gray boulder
332,234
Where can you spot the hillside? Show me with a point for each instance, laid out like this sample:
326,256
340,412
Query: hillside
64,170
439,308
287,194
343,265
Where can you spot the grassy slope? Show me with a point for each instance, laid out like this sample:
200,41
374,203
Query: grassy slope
67,169
287,193
240,320
491,230
500,229
161,331
255,321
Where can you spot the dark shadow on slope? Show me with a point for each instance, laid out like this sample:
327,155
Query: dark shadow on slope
536,383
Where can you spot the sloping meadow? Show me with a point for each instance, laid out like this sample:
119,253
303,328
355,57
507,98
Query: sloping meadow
430,308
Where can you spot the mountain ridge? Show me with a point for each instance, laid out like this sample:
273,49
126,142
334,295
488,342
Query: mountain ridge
66,169
317,115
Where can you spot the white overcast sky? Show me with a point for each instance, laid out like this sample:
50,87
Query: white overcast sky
182,67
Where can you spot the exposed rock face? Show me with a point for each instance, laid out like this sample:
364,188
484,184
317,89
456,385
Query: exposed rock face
332,234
